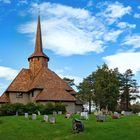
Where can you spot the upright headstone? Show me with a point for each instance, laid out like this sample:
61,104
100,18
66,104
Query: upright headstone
84,115
26,115
16,113
67,115
54,113
33,116
60,112
139,114
123,112
101,118
77,125
116,115
52,120
38,112
46,118
127,113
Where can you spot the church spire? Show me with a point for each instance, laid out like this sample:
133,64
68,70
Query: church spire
38,45
38,59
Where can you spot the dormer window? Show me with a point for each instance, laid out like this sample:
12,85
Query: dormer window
19,95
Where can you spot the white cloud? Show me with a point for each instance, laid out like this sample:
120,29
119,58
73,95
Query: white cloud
67,30
77,79
7,73
136,15
124,25
132,40
124,61
61,73
112,35
6,1
114,11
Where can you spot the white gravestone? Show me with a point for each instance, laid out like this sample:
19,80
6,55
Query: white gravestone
54,113
46,118
38,112
68,115
84,115
52,120
123,112
26,115
16,113
60,112
33,116
139,114
116,114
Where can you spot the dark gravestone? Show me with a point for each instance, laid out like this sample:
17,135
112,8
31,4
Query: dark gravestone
77,126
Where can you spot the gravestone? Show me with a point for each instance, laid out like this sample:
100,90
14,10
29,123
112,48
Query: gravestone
38,112
116,115
60,112
46,118
84,115
77,125
123,112
100,118
139,114
16,113
67,115
34,116
52,120
127,113
54,113
26,115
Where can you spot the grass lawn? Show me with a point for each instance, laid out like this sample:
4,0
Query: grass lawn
19,128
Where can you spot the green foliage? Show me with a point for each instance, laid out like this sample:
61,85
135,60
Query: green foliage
106,87
31,108
128,88
69,81
60,107
11,109
135,108
86,91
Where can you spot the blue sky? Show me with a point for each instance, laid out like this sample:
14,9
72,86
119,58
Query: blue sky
78,36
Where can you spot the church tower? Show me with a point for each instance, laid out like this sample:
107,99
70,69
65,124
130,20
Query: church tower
38,59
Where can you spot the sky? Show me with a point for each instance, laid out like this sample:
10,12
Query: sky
78,36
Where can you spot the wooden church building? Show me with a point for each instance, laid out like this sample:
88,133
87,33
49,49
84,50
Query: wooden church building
39,84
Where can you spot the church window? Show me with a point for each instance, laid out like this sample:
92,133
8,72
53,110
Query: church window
19,95
32,94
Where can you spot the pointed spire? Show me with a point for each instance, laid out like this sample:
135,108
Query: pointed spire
38,46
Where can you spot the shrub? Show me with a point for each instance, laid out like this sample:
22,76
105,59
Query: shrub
31,108
11,109
60,107
135,108
18,107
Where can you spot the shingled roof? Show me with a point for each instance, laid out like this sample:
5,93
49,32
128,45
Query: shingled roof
53,88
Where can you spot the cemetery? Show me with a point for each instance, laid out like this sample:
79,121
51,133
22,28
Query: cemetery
40,104
57,127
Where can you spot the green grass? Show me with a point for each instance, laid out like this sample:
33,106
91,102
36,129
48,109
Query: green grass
19,128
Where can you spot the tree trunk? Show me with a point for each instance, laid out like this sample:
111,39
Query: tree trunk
89,107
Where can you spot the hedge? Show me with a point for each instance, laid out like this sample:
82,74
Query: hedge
49,108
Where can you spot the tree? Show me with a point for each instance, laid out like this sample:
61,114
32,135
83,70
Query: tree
106,87
69,81
128,86
86,91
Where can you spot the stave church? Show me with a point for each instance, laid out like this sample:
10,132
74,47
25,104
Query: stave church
39,84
